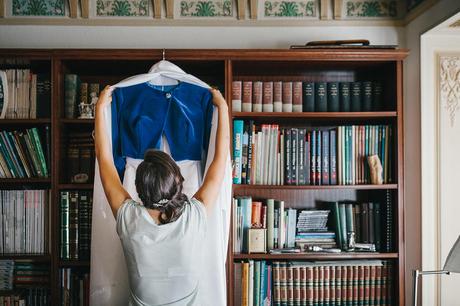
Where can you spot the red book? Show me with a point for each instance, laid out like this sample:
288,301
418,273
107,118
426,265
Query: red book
355,284
256,220
287,97
290,285
309,285
344,285
315,285
267,100
366,284
303,286
247,96
276,283
297,97
350,273
277,96
264,216
321,284
332,286
378,285
326,286
297,285
257,97
361,285
283,283
236,96
384,289
372,286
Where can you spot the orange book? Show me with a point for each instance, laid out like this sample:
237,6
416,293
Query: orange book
245,285
256,220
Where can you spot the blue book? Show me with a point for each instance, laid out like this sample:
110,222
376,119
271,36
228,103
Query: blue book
238,126
244,156
246,209
288,156
325,158
291,227
318,158
333,157
263,283
313,157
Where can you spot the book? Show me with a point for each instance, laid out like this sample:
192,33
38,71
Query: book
270,224
367,95
278,96
238,126
257,92
247,97
355,96
308,98
294,155
333,156
287,97
301,157
321,97
236,96
267,100
344,96
71,95
325,156
333,103
377,96
297,95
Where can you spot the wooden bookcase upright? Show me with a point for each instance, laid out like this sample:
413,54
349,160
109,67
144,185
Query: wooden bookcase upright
220,67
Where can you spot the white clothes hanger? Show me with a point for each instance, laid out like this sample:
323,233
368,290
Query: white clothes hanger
162,73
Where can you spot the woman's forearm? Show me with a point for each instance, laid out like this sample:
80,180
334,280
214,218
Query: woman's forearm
223,135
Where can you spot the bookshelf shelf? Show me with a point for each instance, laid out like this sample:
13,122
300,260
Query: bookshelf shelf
77,121
24,121
237,187
316,115
315,256
38,180
74,263
76,186
26,257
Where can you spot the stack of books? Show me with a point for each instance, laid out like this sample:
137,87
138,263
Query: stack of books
75,227
28,275
6,274
22,230
298,96
312,230
76,92
74,287
24,94
39,296
270,155
253,283
80,157
24,154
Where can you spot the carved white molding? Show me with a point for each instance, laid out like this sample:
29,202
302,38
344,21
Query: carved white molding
449,78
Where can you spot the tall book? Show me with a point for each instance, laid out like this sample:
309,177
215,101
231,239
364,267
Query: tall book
366,96
377,96
270,223
301,157
287,97
257,92
267,100
247,96
238,126
308,98
71,94
297,97
333,103
344,96
333,156
321,97
64,225
73,225
278,96
236,96
355,96
325,156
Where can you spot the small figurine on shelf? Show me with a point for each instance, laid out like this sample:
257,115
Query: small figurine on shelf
376,169
354,246
87,110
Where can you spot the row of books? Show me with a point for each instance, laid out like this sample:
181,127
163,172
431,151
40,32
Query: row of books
309,156
350,282
23,214
17,275
75,224
371,222
297,96
312,230
24,153
26,297
76,92
80,158
24,94
74,287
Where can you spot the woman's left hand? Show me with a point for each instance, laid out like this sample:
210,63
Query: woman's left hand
105,97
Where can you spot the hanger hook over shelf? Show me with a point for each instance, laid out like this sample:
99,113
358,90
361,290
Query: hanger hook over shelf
163,54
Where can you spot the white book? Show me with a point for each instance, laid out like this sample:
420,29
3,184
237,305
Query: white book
274,154
282,159
265,153
251,284
4,84
282,234
259,150
269,176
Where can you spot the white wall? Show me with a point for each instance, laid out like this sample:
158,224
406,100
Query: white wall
34,36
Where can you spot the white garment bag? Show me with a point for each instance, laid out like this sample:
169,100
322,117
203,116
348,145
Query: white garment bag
109,276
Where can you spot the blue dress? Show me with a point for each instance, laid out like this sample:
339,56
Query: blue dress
142,113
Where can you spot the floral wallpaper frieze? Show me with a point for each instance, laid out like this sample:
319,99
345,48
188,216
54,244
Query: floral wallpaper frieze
359,9
46,8
207,8
122,8
291,8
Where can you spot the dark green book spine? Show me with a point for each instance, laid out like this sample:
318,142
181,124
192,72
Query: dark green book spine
64,225
320,97
343,226
308,96
344,95
366,93
338,228
333,96
378,227
377,96
355,99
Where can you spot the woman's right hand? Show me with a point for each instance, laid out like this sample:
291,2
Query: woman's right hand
217,98
105,97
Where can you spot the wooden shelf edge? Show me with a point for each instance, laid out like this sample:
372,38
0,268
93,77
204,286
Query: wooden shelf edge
28,257
317,256
75,186
313,115
25,121
238,187
77,121
24,180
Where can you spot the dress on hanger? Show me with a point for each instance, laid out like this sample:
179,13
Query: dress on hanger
109,278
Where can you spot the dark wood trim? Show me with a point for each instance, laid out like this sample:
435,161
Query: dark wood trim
314,187
317,256
27,257
16,122
323,115
32,180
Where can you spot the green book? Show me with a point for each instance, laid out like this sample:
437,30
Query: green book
350,218
343,225
355,99
344,96
256,283
366,93
377,96
338,228
333,97
308,96
40,151
270,223
65,239
71,91
321,97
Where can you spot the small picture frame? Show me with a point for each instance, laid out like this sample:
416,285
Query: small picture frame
257,240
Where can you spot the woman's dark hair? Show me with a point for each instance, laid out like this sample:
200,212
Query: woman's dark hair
158,178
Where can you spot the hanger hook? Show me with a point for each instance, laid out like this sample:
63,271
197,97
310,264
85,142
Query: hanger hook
163,54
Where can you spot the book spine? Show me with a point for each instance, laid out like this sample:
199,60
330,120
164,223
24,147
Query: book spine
238,126
371,217
333,104
276,283
257,92
244,154
73,225
290,285
333,156
321,97
355,286
326,286
294,150
377,96
43,93
247,96
297,97
278,96
325,158
316,285
65,202
238,280
236,96
251,130
71,85
267,101
307,158
245,285
364,223
39,150
343,226
287,97
318,157
301,158
313,158
257,278
366,96
344,95
270,223
355,92
372,286
308,96
297,285
377,227
288,157
338,285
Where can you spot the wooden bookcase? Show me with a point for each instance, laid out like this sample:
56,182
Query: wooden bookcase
220,67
